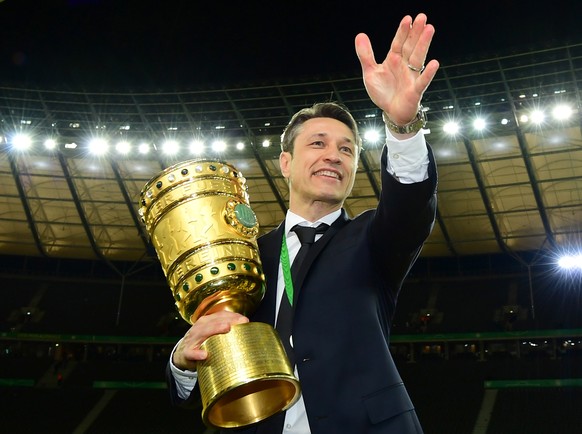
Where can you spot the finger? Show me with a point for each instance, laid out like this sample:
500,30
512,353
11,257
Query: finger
414,33
224,316
240,319
416,29
421,46
187,358
210,325
218,323
364,51
189,353
424,80
401,35
196,354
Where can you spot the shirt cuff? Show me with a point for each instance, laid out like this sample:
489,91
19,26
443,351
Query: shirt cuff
407,159
185,380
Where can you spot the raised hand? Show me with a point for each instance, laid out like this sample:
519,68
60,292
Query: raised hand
398,83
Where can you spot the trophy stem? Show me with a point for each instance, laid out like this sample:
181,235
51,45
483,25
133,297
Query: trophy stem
246,377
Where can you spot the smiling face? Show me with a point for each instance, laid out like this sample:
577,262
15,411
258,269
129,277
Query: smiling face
321,169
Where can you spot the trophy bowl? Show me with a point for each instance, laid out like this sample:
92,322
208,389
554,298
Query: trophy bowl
204,231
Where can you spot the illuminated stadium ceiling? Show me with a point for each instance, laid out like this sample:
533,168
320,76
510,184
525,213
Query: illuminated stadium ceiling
514,186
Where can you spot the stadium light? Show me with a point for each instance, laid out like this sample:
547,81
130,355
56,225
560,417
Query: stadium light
219,146
570,262
21,142
98,146
50,144
451,128
537,116
196,147
562,112
170,147
372,136
123,147
479,124
143,148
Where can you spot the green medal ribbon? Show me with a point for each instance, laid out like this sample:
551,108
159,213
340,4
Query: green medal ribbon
285,264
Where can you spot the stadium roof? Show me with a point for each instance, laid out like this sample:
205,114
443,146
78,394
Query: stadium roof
514,186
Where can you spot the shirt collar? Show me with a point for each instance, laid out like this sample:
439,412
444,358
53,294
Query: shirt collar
293,219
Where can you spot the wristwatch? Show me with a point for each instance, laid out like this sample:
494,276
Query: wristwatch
413,126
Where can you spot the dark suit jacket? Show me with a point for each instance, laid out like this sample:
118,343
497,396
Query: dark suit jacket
345,307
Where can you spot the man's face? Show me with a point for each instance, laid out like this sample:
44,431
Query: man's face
323,165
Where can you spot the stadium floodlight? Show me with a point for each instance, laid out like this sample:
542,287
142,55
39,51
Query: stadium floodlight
266,143
21,142
170,147
123,147
219,146
570,262
537,116
50,144
562,112
196,147
143,148
98,146
372,136
479,124
451,127
240,146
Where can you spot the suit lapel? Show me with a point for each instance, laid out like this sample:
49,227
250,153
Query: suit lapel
270,247
340,222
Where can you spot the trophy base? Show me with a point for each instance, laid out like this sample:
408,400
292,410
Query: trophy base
246,377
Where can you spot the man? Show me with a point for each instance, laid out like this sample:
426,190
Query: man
349,282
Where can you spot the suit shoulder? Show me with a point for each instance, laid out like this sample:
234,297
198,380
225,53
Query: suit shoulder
267,237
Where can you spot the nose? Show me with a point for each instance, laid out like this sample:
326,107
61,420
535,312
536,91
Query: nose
333,155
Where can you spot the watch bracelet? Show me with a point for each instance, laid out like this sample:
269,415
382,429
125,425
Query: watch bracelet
413,126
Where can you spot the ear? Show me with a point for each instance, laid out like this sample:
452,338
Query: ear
285,163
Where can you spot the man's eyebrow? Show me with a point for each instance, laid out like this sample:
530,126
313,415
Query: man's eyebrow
317,135
323,134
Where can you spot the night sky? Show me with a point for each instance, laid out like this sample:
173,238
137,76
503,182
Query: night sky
189,44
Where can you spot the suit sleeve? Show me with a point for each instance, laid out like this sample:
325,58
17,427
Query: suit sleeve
402,222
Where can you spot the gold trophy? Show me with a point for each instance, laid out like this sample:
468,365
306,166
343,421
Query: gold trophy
204,232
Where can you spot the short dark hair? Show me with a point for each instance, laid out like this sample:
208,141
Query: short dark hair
319,110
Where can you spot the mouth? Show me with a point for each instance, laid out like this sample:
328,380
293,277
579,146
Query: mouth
329,174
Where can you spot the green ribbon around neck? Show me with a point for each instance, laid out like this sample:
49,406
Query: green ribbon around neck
286,265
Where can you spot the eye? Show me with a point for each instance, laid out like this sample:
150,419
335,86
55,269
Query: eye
347,149
318,143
